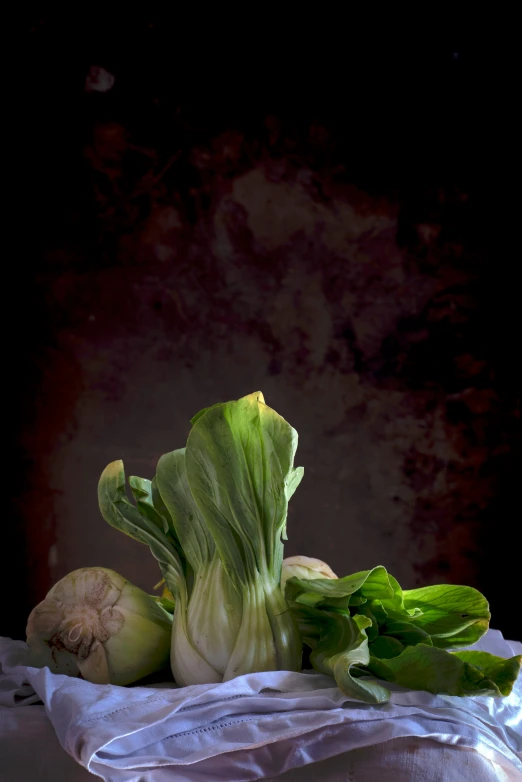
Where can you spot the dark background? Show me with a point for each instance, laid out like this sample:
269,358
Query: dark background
308,211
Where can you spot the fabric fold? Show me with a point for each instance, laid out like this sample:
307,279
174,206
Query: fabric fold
253,726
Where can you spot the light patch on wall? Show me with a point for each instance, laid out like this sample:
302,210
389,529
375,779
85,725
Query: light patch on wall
161,233
99,80
279,210
52,557
299,311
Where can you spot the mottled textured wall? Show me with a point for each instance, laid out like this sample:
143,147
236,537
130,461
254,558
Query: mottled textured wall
187,257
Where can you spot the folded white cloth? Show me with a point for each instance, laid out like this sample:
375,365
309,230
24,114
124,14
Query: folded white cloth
254,726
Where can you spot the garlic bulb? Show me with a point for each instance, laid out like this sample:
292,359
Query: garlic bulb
305,568
97,625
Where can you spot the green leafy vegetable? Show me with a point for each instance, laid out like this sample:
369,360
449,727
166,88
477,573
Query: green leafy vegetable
402,636
452,615
339,642
214,517
95,623
143,523
424,667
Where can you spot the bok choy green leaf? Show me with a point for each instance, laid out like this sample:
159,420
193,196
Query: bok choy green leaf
403,636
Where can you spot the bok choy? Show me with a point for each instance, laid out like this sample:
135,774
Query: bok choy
214,517
95,624
363,629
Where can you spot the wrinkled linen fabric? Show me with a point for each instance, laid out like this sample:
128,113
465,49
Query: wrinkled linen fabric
255,726
410,759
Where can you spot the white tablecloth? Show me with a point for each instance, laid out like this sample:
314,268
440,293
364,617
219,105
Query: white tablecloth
261,726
